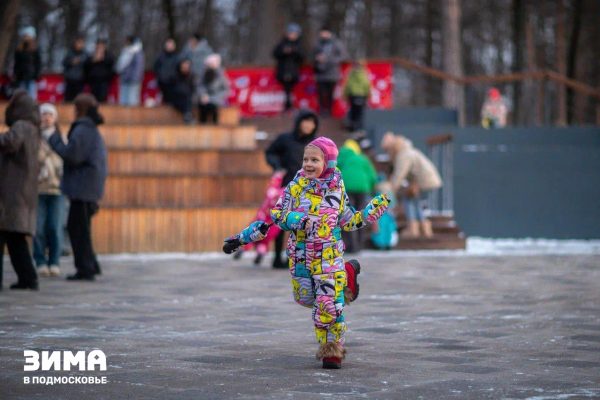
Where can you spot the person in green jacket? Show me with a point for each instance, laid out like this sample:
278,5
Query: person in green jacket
360,178
357,90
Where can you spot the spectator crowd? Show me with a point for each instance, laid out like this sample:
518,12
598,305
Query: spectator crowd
192,79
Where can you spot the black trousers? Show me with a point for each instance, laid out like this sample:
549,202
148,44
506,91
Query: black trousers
183,103
20,256
354,240
72,89
79,226
100,90
277,261
288,88
167,92
208,113
325,93
355,115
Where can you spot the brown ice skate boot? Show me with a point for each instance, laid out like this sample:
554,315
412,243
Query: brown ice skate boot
332,355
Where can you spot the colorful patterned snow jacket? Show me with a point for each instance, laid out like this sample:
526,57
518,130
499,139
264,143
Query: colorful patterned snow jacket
315,249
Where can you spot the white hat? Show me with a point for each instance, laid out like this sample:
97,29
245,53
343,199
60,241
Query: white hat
48,108
213,61
27,31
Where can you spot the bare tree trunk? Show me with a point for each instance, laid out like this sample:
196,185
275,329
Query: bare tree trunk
300,14
429,28
453,93
269,25
169,11
207,22
518,10
572,53
139,21
532,66
336,15
9,11
394,27
561,62
73,11
368,31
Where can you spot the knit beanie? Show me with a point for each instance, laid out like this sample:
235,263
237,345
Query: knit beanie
330,151
48,108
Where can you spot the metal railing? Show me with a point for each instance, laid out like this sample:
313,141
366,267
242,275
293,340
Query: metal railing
440,151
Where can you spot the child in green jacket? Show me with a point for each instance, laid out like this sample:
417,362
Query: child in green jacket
357,90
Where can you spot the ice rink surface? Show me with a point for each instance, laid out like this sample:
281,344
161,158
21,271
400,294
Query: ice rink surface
501,320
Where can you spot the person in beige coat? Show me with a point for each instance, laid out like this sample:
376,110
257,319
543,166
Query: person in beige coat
414,175
47,245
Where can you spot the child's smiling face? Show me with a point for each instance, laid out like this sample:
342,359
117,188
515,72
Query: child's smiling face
313,163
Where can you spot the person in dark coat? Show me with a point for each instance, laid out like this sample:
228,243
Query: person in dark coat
28,63
99,71
327,56
286,153
183,90
288,54
84,175
165,68
74,69
19,168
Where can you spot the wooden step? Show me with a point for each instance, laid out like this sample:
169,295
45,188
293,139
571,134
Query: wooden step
185,191
122,162
178,137
153,230
438,227
437,242
119,115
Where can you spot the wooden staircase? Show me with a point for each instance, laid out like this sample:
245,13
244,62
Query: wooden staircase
173,187
446,236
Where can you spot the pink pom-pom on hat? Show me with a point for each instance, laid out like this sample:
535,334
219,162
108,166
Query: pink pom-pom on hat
330,151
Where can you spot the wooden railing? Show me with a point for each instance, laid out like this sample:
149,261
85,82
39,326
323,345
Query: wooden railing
541,76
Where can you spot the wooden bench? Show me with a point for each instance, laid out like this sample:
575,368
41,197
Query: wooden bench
185,190
120,115
178,137
205,161
138,230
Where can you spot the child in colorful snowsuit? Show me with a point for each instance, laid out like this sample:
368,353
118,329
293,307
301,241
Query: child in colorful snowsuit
274,191
315,208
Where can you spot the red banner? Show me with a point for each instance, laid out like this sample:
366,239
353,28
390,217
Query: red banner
254,90
257,92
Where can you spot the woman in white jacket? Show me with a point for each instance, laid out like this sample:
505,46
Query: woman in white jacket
416,175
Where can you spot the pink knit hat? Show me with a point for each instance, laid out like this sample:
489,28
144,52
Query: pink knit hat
330,151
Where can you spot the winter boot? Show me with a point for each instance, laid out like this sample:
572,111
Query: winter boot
426,228
352,268
332,355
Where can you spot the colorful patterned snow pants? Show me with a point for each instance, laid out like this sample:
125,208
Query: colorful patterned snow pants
324,293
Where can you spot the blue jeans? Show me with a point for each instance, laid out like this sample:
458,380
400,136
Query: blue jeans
30,87
49,230
129,94
412,207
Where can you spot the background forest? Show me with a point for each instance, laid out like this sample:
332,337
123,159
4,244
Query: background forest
490,37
